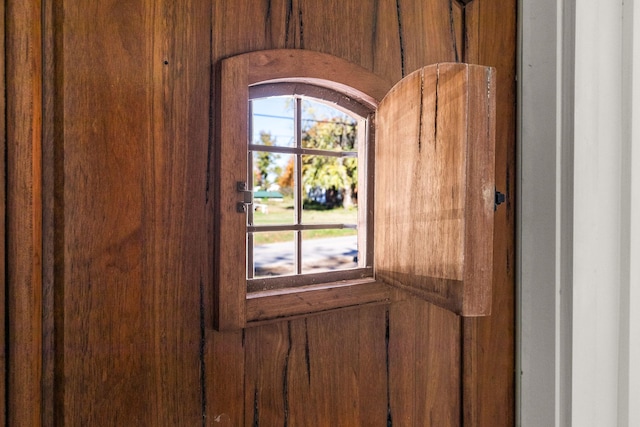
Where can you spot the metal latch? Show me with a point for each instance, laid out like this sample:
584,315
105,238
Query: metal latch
247,197
499,199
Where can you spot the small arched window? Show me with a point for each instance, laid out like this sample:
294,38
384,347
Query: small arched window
308,160
300,137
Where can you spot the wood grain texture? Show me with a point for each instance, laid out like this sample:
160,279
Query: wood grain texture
127,137
224,380
104,312
317,68
435,186
3,235
329,35
428,33
480,195
135,123
230,287
278,305
398,37
323,370
24,211
52,249
489,343
424,365
235,75
175,199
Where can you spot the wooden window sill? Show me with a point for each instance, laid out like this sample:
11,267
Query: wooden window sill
273,305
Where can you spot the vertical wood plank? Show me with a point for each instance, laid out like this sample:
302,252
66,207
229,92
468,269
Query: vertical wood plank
240,27
3,235
480,194
135,139
424,361
224,380
267,352
348,367
386,44
230,286
322,370
24,211
302,378
331,35
457,23
51,227
106,318
174,197
428,33
332,341
401,354
489,343
373,362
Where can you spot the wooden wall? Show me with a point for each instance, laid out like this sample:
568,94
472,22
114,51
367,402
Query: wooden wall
23,76
110,223
3,206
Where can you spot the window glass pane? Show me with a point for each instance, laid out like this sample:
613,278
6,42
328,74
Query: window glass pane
273,184
273,123
326,128
327,250
295,188
330,190
273,253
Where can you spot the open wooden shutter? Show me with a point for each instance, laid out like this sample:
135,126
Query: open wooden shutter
435,186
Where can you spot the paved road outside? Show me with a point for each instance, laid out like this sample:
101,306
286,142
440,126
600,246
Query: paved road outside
317,254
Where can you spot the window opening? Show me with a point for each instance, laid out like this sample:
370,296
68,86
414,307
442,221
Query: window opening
308,155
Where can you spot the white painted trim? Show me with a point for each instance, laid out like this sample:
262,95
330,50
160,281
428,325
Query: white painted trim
633,373
629,370
536,213
544,236
578,233
597,210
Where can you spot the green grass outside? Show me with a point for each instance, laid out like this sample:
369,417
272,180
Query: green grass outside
279,213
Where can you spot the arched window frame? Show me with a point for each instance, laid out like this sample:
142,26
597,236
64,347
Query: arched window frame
234,307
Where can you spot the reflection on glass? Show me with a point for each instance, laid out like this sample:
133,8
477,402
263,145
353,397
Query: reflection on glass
330,186
273,253
273,183
328,250
273,121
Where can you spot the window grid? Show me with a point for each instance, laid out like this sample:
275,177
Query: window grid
298,185
364,259
250,264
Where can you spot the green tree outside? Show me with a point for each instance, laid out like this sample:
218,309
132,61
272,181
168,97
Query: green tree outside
265,162
333,174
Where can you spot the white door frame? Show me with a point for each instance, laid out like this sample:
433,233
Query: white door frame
578,235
